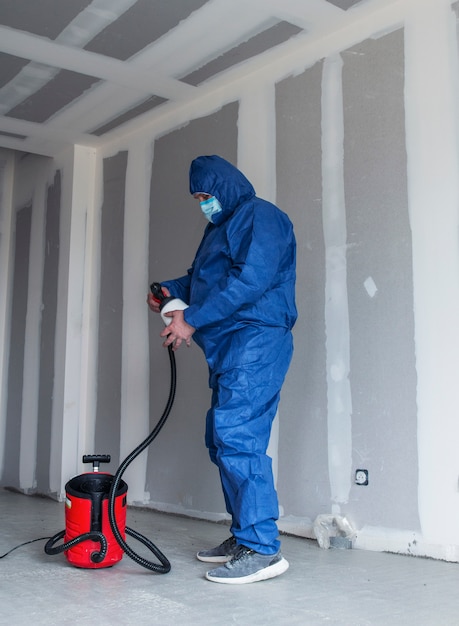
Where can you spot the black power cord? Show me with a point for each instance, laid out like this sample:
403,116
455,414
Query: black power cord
23,544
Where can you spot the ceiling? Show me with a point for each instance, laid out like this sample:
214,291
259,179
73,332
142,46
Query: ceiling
76,71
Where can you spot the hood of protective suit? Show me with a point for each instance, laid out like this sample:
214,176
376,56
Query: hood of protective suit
217,177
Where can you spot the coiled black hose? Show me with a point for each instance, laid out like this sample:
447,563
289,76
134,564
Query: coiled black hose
94,535
164,566
97,557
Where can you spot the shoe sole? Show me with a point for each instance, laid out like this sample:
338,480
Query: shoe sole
263,574
214,559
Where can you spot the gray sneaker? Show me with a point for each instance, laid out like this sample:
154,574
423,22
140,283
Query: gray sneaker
222,553
248,566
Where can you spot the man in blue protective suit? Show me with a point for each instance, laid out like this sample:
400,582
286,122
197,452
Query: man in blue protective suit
241,295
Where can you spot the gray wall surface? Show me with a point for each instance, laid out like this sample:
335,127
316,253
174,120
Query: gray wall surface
383,375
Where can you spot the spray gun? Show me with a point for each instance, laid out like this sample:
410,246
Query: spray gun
166,303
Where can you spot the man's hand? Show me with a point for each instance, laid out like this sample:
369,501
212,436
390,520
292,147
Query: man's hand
154,304
177,331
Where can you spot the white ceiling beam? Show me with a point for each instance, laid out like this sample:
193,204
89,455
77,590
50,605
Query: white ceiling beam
81,30
25,146
41,50
44,139
46,131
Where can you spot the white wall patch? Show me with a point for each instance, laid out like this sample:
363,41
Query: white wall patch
370,286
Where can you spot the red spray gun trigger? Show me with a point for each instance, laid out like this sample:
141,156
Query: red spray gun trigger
158,294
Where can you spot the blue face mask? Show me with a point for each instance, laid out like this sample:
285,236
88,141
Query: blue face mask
210,207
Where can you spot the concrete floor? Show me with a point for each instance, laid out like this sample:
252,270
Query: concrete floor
337,587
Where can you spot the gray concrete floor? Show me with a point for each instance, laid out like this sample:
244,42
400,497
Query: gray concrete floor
337,587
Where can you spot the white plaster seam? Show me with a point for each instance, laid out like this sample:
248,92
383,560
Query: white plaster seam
257,139
91,286
134,425
30,389
336,301
6,228
65,445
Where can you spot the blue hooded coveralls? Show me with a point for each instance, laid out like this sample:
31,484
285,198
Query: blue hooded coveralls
241,295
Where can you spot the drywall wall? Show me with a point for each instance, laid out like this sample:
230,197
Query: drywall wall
380,284
35,239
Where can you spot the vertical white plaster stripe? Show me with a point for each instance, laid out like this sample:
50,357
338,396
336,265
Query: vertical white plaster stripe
257,139
336,302
30,389
135,364
256,157
6,214
89,325
432,133
77,190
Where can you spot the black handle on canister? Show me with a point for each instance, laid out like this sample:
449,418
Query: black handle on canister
96,459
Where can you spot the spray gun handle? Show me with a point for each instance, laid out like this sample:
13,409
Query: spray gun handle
160,297
157,292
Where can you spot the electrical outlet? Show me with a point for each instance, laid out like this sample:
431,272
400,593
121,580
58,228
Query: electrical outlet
361,477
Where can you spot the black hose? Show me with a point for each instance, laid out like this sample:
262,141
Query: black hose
97,557
94,535
164,566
